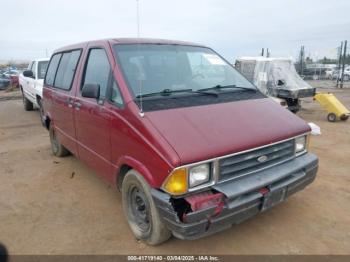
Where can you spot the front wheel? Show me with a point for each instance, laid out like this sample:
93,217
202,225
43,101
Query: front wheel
28,106
41,112
140,210
331,117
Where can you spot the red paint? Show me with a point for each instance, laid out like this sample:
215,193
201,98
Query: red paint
14,80
264,191
204,200
107,137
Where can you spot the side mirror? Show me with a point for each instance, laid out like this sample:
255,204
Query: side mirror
91,91
28,73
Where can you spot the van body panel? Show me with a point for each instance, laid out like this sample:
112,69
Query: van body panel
221,129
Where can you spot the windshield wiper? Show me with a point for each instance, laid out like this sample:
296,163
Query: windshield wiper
219,87
167,92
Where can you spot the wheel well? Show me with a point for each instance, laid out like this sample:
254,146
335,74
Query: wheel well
38,98
122,172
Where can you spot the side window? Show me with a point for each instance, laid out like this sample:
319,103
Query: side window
51,71
34,69
116,96
42,67
97,70
66,69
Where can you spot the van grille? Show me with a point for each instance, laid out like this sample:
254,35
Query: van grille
245,163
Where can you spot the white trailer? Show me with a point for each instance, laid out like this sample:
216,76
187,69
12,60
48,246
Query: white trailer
277,78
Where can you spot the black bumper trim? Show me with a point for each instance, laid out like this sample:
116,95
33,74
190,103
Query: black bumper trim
243,200
292,93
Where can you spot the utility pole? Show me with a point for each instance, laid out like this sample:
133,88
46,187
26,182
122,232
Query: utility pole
301,62
339,62
343,64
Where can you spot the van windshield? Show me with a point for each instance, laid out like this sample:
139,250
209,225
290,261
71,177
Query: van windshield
165,67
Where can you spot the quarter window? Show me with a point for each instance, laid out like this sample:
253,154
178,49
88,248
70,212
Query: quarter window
34,69
30,66
51,71
116,96
97,70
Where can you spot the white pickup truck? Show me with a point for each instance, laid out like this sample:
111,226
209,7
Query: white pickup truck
31,84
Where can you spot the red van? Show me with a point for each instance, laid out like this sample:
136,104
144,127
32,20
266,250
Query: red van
191,143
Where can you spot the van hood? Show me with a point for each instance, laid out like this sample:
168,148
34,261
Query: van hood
203,132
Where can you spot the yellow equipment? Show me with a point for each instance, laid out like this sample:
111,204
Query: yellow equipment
336,110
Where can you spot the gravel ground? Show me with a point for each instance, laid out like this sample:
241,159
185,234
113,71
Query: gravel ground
52,205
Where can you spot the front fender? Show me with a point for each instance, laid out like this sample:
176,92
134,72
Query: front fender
138,166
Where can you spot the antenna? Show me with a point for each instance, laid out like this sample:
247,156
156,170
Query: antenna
138,18
142,114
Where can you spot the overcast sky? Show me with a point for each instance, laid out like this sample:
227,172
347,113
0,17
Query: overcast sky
232,27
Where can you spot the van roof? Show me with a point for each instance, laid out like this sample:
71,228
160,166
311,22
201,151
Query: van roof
129,41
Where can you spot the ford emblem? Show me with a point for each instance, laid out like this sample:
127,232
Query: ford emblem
262,159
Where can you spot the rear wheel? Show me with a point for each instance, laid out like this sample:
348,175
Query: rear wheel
57,148
28,106
140,210
41,112
293,105
331,117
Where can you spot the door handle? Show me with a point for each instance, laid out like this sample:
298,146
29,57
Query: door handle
70,102
77,105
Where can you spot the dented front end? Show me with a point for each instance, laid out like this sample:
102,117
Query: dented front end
230,202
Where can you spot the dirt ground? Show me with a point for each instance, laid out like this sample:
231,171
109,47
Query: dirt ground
52,205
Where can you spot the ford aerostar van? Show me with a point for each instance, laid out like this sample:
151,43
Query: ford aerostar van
191,143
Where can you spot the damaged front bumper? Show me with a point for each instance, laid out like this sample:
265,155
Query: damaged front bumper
243,198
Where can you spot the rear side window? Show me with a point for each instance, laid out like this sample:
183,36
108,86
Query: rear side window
97,70
66,70
51,71
42,66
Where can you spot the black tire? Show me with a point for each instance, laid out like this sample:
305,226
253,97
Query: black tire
28,106
140,210
41,112
344,117
57,148
331,117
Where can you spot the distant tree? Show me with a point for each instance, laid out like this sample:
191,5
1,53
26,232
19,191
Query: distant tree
347,59
308,60
326,60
